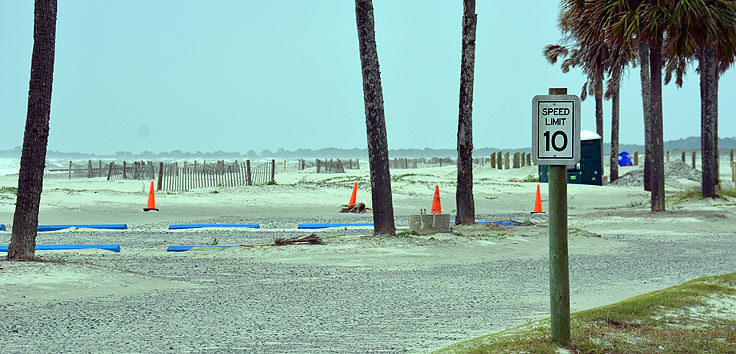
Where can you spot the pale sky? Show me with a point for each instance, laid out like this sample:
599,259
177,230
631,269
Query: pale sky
185,75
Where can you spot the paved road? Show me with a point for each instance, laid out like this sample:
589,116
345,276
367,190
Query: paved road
241,305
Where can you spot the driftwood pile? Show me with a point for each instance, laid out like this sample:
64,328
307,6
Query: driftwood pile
354,208
312,239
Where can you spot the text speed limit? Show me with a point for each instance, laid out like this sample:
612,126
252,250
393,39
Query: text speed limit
556,130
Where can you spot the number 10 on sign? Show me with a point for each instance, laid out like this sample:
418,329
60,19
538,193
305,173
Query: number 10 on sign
556,129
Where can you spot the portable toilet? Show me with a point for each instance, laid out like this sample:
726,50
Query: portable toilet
590,168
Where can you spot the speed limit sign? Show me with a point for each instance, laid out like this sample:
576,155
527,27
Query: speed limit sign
556,129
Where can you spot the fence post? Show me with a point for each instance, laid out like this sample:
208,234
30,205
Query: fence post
506,160
160,175
693,159
70,170
273,170
668,156
516,160
636,158
493,160
683,156
247,172
733,171
89,169
109,171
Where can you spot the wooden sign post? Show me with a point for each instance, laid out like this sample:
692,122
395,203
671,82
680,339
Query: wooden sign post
556,142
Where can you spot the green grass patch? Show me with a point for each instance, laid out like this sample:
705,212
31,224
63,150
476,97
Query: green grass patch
335,180
670,320
531,178
407,233
683,196
10,190
694,194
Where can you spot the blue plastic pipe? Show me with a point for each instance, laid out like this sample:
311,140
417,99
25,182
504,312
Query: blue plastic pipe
89,226
2,227
182,248
323,226
196,226
114,248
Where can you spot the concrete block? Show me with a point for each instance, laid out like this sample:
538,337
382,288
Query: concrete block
425,224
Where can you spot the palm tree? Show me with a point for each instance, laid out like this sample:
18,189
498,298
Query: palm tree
375,121
589,50
645,20
704,31
646,91
464,193
620,56
33,157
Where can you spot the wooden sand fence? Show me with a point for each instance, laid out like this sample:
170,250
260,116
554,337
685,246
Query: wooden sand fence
173,176
191,175
88,169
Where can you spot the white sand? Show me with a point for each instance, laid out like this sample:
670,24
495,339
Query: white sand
301,196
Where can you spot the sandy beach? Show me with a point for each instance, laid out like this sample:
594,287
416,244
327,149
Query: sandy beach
357,293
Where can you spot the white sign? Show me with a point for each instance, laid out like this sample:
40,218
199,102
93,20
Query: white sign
556,129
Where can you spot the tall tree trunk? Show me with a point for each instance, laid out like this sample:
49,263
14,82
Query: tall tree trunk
464,194
646,91
598,93
614,125
656,139
709,110
35,139
716,178
375,122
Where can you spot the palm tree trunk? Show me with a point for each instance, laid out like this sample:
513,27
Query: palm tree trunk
614,125
709,110
464,194
33,157
598,93
375,122
646,91
717,177
656,139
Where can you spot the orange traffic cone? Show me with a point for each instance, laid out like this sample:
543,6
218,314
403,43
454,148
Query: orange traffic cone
151,200
354,195
538,202
436,207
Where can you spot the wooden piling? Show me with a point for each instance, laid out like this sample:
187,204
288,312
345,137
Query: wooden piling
160,175
247,172
693,159
109,170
